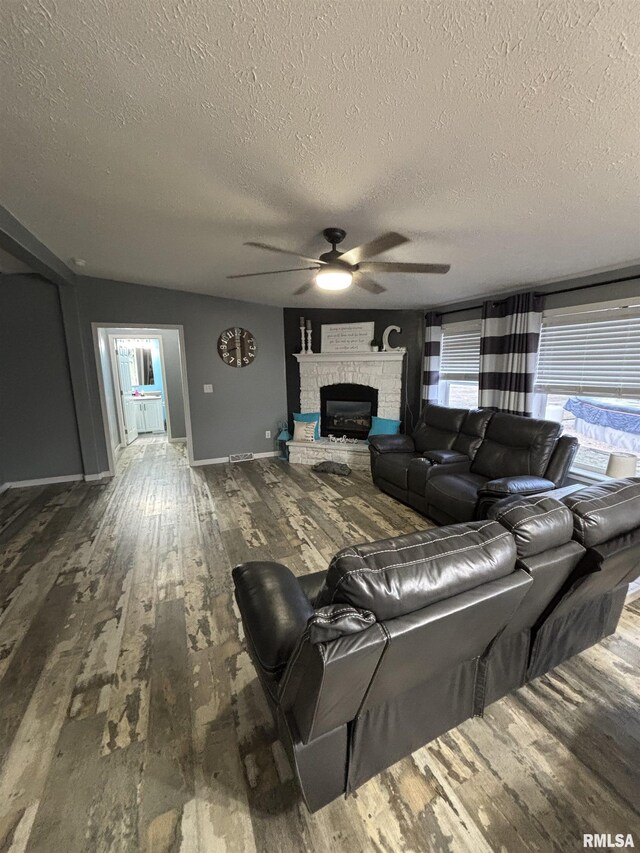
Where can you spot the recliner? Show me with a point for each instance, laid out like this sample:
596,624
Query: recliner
400,640
350,675
459,462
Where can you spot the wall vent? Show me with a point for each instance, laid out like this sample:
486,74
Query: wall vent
241,457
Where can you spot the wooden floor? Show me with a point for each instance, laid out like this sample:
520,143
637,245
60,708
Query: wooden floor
131,717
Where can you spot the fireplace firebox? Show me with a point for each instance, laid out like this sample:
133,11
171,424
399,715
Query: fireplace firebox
347,409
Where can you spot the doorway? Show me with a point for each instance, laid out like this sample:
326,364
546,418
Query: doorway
141,396
143,386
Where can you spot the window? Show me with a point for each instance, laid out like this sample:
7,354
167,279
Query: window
589,378
460,364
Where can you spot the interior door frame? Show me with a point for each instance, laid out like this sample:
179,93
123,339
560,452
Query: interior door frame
140,330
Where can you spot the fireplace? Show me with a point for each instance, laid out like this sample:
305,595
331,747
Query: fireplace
347,409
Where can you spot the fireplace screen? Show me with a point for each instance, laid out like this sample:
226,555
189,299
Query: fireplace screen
344,417
348,409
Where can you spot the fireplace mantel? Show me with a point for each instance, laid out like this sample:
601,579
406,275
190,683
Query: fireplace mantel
342,357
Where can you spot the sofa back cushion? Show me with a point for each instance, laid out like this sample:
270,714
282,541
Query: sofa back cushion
605,511
472,431
400,575
515,445
438,428
536,523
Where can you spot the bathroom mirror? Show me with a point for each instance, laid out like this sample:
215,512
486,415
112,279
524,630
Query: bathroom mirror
144,366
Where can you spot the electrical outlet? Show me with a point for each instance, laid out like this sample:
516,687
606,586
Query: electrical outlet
208,389
267,433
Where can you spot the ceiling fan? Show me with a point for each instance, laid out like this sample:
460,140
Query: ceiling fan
337,270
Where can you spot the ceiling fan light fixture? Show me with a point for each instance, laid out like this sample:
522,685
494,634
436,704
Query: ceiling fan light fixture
333,278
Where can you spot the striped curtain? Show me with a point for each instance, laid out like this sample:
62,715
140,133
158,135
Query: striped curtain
432,349
509,344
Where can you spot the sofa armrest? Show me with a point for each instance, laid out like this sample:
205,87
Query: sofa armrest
522,485
274,610
392,443
445,457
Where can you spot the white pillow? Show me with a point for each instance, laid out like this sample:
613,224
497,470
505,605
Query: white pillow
304,430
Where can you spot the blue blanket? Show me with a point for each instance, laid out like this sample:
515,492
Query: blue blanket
607,413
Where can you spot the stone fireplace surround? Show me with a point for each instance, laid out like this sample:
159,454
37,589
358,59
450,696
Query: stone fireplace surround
379,370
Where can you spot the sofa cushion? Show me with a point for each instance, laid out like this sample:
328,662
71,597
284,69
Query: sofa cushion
536,523
455,494
394,468
438,427
515,445
605,511
472,431
400,575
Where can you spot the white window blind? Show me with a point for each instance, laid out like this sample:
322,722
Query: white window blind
460,357
593,353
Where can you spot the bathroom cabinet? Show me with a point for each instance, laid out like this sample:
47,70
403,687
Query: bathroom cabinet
149,416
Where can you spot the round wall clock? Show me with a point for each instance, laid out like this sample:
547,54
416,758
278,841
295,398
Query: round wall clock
237,347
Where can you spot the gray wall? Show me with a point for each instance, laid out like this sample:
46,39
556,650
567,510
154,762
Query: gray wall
38,433
245,402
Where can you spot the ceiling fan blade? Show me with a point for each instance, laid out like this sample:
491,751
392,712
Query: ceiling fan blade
271,272
303,289
376,247
369,285
374,266
283,252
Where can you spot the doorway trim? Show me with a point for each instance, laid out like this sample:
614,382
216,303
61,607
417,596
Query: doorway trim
150,328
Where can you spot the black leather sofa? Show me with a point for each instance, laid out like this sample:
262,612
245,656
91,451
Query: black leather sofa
403,639
458,462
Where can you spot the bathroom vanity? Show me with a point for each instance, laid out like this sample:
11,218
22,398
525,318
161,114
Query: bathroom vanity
149,414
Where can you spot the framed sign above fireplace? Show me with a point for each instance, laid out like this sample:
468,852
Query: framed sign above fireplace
347,337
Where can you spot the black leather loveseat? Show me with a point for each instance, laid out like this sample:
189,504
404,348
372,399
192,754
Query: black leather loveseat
458,462
403,639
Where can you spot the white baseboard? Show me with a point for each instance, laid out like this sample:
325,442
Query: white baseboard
177,441
42,481
221,459
49,481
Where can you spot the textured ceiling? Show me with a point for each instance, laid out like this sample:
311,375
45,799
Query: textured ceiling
152,138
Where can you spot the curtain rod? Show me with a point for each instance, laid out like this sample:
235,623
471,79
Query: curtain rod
549,293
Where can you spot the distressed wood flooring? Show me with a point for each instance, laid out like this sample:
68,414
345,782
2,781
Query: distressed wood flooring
131,718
